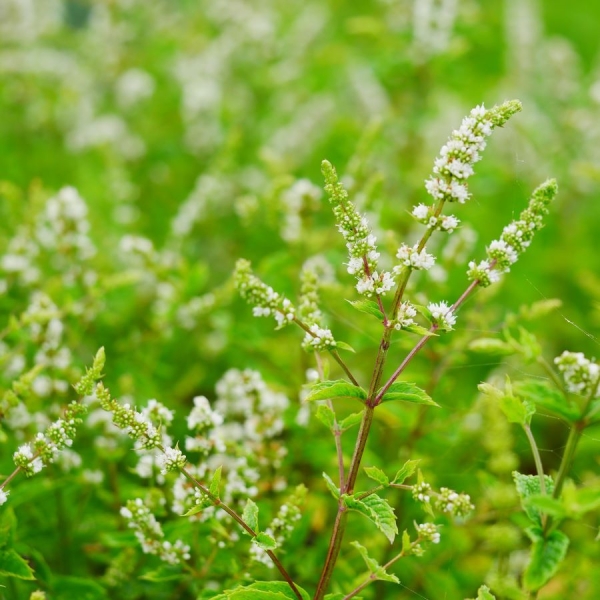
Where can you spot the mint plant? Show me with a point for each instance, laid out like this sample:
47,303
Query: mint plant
228,465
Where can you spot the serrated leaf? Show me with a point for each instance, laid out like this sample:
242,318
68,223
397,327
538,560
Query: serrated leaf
13,565
483,593
374,567
517,410
351,420
332,487
548,397
547,504
330,390
343,346
376,474
250,515
491,346
215,482
546,555
265,541
527,486
377,510
263,590
407,470
420,330
407,392
368,307
326,416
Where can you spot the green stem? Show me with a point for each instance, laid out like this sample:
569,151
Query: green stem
373,577
567,458
536,457
333,352
219,504
365,426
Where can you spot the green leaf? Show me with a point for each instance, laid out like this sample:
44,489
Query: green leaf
250,515
343,346
377,510
8,524
517,410
215,482
376,474
332,487
368,307
483,593
406,543
491,346
407,392
13,565
326,416
265,541
194,510
263,590
407,470
545,395
420,330
547,504
351,420
327,390
578,502
546,555
374,567
67,588
527,486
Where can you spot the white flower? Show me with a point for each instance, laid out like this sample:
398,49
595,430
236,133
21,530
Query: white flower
4,496
449,223
413,258
420,212
442,315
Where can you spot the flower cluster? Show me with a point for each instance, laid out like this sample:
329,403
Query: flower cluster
282,525
446,500
205,423
581,375
442,315
150,534
452,503
265,300
428,532
362,251
319,337
413,258
238,433
455,163
405,316
426,215
515,239
422,492
32,457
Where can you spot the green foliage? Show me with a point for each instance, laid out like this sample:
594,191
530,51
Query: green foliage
407,392
377,510
146,146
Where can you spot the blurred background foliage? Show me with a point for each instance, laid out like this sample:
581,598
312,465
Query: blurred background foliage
200,127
